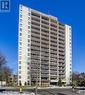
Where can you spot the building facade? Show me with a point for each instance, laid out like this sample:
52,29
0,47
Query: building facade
44,49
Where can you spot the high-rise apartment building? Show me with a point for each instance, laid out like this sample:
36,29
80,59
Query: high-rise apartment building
44,49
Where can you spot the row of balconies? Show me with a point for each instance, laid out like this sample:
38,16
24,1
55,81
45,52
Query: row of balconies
61,28
44,43
44,60
35,44
45,46
53,67
53,57
45,34
45,31
61,36
45,18
61,59
35,48
44,38
35,31
35,28
35,34
53,36
44,57
61,32
44,26
53,52
43,54
35,23
61,24
53,75
53,21
61,39
61,50
44,68
35,14
35,18
53,25
35,52
61,65
61,45
44,50
35,41
53,48
52,61
53,29
53,70
53,41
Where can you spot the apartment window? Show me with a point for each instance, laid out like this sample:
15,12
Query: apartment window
28,36
28,18
20,20
28,30
20,43
20,24
28,27
19,67
20,29
28,58
20,48
28,22
28,54
19,72
70,29
20,39
21,6
20,15
28,14
21,10
20,52
28,40
28,44
19,62
28,68
19,77
28,63
20,57
20,34
28,77
28,49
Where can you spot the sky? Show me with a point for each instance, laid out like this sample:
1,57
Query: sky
71,12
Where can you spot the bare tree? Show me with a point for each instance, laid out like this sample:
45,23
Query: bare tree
5,71
2,64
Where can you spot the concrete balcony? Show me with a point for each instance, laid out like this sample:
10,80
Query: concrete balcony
47,30
35,18
35,21
35,26
47,21
54,28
